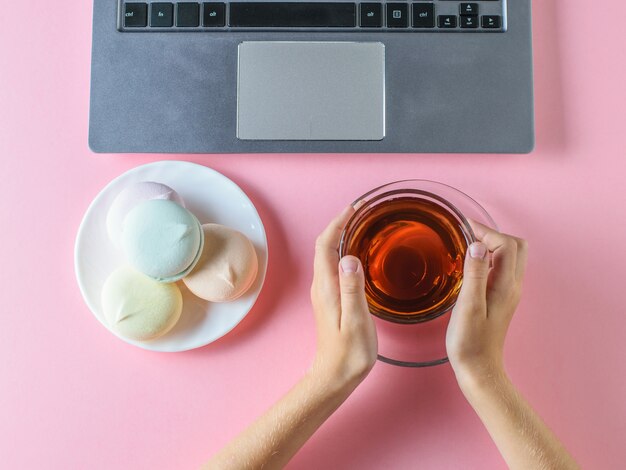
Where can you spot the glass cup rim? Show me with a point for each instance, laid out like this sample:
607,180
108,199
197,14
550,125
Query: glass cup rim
405,185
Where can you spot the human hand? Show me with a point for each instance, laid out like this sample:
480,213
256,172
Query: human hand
346,336
475,341
346,352
485,306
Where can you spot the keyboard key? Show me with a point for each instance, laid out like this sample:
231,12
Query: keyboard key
188,15
161,15
491,22
469,22
371,15
214,15
397,15
446,21
423,15
136,15
292,15
468,9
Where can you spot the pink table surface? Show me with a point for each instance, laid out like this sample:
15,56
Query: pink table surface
74,397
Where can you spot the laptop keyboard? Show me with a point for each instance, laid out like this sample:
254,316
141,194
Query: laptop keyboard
432,16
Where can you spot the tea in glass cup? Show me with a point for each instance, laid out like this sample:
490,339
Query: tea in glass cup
411,237
412,250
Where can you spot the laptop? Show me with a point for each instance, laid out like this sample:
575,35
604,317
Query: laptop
249,76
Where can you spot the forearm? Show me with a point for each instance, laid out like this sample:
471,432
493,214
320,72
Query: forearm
522,437
272,440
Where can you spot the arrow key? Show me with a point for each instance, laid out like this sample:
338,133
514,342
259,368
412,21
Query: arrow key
446,21
468,9
491,22
469,22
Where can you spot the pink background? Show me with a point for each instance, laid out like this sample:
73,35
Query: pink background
72,396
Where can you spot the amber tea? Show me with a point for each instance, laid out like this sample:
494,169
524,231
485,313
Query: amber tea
412,250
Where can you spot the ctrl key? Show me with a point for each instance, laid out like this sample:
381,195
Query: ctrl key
135,15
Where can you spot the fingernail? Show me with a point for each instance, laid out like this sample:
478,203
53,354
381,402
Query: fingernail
478,250
349,264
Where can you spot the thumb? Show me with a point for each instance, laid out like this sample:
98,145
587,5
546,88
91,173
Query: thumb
352,287
475,275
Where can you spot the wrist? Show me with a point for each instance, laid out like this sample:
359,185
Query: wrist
326,390
331,382
477,379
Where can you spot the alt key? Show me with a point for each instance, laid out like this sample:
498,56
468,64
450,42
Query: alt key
214,15
371,15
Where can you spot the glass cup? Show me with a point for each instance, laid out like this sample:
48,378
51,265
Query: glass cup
411,237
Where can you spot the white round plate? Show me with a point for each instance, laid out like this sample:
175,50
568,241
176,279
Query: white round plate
211,197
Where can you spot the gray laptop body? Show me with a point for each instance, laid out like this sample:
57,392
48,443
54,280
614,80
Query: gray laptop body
245,88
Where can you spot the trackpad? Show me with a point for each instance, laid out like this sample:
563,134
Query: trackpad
311,91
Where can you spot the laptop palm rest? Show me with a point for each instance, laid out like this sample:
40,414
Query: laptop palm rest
311,91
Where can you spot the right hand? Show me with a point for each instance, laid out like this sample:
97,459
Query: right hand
346,335
485,306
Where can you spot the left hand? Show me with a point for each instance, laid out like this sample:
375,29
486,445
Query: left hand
491,290
346,336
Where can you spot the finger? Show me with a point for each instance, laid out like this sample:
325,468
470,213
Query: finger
522,258
332,233
504,249
354,308
473,295
326,254
325,288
